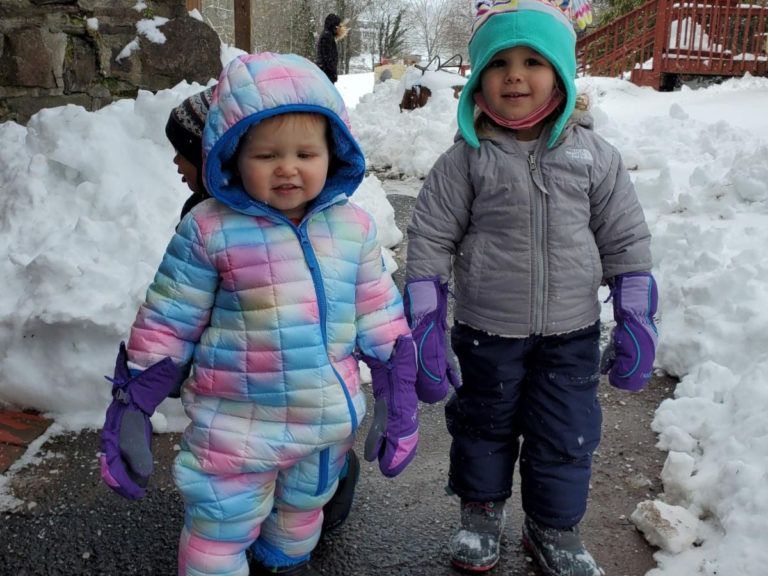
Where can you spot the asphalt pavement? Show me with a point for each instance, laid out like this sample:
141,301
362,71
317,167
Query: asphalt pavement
71,524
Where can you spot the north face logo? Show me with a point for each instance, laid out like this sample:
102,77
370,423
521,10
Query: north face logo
580,154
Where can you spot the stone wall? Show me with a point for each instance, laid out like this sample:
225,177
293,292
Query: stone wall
57,52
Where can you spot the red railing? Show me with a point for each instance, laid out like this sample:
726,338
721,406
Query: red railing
718,37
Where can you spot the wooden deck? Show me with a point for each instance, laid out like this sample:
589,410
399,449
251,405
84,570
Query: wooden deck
666,39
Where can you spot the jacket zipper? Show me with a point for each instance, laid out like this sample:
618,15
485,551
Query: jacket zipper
538,247
317,282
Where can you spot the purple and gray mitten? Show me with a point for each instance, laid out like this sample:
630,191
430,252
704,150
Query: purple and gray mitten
126,458
426,305
628,359
394,433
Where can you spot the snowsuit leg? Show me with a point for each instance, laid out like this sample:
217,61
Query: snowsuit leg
541,388
560,425
292,529
277,513
481,415
222,517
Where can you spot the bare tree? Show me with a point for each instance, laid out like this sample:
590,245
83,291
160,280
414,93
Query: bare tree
295,25
428,19
458,28
441,27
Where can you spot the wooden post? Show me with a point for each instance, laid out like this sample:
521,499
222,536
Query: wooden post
195,5
243,25
660,43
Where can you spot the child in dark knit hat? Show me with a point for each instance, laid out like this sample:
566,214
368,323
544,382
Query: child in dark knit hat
529,212
184,130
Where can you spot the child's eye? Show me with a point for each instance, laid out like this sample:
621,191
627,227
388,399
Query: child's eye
497,63
533,62
306,155
263,156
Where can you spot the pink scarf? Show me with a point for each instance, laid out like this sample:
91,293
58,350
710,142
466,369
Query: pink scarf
524,123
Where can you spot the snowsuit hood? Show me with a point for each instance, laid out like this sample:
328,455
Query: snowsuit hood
253,87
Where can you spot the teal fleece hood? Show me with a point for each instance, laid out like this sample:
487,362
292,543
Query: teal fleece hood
538,25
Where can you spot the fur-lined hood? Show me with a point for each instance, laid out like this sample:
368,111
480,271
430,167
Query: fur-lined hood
335,26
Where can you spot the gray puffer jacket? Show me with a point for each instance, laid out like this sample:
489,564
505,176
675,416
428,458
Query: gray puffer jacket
528,237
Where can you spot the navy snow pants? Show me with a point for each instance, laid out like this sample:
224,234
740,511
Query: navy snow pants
542,389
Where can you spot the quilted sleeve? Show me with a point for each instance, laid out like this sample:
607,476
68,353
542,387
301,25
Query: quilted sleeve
440,217
178,303
618,222
380,317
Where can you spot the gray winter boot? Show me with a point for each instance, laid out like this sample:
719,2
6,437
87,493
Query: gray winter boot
474,544
559,552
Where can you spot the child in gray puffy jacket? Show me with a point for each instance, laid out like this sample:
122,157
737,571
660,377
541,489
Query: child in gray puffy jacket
529,212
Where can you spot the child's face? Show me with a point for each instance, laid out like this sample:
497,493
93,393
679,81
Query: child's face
187,170
517,81
283,161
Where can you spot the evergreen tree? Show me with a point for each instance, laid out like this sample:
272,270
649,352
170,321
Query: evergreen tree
391,37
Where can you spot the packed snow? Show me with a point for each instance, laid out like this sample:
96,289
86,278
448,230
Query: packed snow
90,199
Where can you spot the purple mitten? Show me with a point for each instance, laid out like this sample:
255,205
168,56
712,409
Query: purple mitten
394,432
126,459
426,304
628,359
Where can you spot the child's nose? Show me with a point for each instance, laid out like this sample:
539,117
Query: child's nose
286,168
514,74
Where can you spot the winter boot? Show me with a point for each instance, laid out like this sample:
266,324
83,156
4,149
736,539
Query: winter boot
559,552
300,569
474,545
337,509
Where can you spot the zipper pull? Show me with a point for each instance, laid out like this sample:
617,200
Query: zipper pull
532,162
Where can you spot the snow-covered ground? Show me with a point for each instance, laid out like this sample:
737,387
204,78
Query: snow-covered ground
89,201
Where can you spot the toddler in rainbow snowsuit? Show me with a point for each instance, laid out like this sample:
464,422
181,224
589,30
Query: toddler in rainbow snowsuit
270,312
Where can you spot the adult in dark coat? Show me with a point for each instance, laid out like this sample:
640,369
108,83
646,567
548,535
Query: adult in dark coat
327,52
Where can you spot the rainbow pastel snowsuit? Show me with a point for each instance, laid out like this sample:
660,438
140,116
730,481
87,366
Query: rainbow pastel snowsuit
269,313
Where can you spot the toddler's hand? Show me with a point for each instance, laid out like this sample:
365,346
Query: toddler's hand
628,358
126,458
394,433
425,302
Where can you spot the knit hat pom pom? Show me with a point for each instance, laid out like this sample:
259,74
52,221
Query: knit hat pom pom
578,12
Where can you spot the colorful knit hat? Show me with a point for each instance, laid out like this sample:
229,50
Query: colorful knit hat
546,26
184,128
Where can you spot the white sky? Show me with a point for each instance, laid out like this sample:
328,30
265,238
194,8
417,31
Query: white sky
89,201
